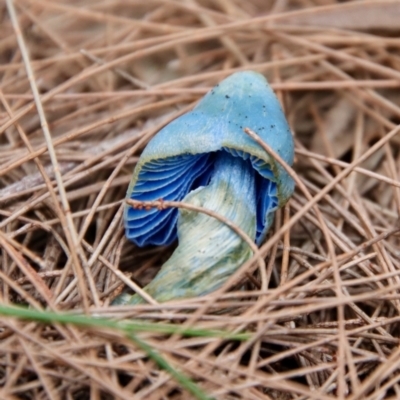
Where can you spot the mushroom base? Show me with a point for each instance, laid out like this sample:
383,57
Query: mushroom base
209,252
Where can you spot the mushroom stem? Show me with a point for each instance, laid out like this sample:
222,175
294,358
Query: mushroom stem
209,251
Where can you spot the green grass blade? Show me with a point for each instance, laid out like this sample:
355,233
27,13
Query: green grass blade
129,328
125,326
186,382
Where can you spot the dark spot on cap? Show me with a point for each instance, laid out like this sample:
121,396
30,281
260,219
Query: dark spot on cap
272,126
227,96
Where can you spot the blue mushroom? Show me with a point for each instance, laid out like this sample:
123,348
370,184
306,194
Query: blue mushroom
205,158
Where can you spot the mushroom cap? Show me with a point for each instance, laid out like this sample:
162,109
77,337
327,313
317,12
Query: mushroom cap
180,157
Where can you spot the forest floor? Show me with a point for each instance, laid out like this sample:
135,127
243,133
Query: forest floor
84,85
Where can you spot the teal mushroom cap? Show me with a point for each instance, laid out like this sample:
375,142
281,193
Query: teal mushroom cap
182,156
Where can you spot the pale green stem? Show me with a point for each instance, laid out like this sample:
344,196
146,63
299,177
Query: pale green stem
209,252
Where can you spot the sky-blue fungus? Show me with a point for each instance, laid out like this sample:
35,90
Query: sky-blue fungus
206,159
183,156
